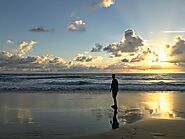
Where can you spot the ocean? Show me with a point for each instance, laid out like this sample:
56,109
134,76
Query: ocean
70,105
90,82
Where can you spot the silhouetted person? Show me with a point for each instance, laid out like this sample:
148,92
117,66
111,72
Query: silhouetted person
114,89
114,123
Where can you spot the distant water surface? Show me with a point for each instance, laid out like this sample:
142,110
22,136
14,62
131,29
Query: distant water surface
88,82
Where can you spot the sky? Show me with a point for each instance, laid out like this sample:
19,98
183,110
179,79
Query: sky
92,36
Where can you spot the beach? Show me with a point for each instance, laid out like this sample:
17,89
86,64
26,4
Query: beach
146,129
87,114
92,69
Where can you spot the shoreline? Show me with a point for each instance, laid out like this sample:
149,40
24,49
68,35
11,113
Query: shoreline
82,91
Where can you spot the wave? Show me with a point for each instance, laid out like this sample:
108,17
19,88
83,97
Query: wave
68,83
98,77
127,82
95,86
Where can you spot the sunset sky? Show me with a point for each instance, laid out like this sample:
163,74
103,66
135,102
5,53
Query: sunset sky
92,36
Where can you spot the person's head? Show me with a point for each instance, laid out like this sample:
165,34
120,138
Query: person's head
113,76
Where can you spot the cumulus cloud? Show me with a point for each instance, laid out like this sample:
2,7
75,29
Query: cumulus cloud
9,61
103,3
78,25
18,61
131,43
9,42
40,29
107,3
49,59
147,54
125,60
25,47
98,47
179,47
83,58
177,51
114,49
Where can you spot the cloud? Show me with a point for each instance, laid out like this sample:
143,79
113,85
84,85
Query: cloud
128,55
78,25
131,43
12,62
177,51
98,47
5,55
40,29
148,54
103,3
9,42
114,49
19,62
83,58
125,60
173,31
49,59
179,47
25,47
107,3
82,68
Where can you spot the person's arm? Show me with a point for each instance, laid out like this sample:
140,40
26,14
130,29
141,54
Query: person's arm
117,85
111,88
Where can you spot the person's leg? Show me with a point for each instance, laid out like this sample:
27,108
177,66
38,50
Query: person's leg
115,101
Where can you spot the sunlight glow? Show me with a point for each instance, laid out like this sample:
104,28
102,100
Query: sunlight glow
160,105
163,57
153,58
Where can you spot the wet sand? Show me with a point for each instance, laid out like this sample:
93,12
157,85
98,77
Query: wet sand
81,113
146,129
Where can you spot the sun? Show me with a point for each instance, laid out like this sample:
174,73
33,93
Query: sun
163,57
153,58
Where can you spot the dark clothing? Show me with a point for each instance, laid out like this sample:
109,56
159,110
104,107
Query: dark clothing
114,88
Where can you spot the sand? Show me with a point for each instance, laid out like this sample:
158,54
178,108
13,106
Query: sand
146,129
87,115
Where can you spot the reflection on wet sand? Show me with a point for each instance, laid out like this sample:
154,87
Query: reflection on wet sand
160,105
24,115
114,123
16,115
77,113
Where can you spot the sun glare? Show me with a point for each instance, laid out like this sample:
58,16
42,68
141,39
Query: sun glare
161,105
163,57
153,58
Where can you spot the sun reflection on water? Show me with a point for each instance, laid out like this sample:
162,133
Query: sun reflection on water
160,105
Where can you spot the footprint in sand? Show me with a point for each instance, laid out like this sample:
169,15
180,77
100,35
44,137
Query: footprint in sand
158,135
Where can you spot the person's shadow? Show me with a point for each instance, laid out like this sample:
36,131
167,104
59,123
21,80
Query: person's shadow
114,122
